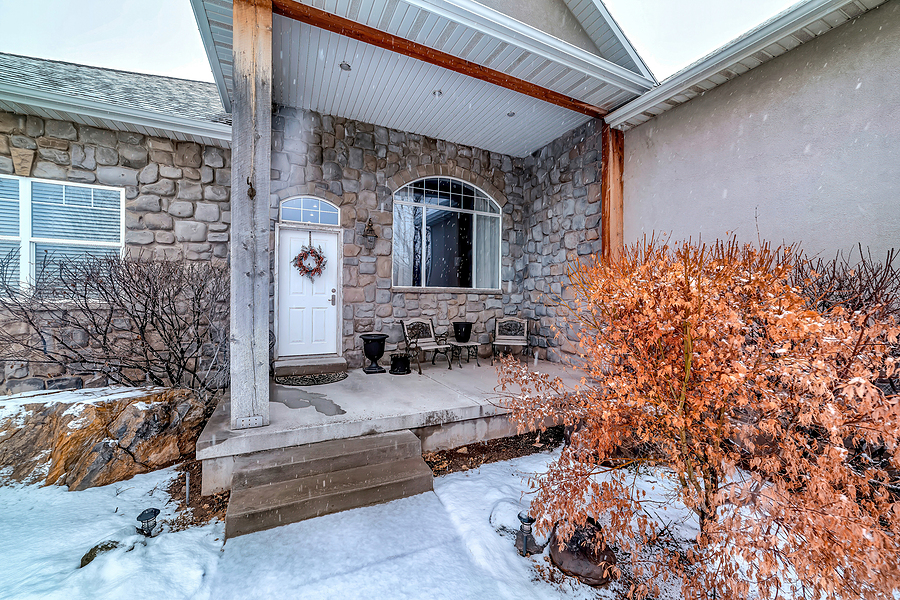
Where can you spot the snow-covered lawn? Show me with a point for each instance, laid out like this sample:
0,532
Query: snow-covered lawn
455,543
44,532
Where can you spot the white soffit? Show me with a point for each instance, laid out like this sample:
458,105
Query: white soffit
606,34
784,32
391,90
214,20
395,91
218,135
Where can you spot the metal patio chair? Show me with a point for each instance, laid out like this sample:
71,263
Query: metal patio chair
419,335
510,332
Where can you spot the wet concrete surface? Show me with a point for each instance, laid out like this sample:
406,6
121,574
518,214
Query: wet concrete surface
298,397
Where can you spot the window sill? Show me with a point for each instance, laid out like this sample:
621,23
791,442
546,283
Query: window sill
446,290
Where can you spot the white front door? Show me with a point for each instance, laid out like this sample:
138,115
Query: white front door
307,310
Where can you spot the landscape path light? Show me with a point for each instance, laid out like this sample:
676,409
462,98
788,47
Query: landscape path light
148,521
525,542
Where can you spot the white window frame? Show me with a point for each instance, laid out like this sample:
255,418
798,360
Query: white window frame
424,205
27,258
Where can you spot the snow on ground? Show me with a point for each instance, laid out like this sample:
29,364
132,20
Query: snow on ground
13,406
44,532
455,543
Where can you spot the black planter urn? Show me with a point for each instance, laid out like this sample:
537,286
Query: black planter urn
461,331
373,347
400,364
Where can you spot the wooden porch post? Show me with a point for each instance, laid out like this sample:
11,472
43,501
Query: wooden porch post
250,172
612,165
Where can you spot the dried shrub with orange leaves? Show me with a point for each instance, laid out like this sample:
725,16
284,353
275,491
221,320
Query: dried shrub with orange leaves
764,414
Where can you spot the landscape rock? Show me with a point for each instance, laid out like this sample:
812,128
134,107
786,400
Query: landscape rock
97,550
95,437
583,556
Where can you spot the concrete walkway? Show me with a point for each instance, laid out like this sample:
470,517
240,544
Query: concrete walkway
405,550
455,543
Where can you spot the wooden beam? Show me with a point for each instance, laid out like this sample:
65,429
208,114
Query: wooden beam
363,33
612,166
250,173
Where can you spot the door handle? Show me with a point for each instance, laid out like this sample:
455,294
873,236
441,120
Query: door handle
333,297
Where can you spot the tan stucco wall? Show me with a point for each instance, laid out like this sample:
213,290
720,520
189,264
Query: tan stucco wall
806,146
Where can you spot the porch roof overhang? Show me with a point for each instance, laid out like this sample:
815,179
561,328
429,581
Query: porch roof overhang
795,26
118,100
511,68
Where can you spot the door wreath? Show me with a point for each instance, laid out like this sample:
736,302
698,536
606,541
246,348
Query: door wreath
300,261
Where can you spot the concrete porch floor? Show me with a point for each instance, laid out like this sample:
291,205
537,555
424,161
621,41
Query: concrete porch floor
444,408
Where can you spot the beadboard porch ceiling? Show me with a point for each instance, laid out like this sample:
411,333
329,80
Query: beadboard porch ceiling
393,90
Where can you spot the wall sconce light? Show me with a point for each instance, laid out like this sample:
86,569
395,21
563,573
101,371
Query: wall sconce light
369,235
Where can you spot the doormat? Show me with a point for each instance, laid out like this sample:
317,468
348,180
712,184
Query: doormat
318,379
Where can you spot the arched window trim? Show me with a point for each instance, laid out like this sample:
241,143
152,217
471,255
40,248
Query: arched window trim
464,182
496,215
319,223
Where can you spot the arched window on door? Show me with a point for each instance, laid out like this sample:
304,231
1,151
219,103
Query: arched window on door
446,234
306,209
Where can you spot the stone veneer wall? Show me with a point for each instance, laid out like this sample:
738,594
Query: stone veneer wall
358,166
562,194
177,200
177,207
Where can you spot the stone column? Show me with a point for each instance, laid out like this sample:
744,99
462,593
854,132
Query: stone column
250,173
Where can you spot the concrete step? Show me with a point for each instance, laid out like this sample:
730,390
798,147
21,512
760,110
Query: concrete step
267,506
283,464
309,365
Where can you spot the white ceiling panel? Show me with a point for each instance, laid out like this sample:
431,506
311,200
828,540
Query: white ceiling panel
463,28
395,91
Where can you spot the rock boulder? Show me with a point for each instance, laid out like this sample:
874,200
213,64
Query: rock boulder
584,556
87,438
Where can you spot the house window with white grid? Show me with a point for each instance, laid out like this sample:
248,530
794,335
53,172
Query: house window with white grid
44,223
446,234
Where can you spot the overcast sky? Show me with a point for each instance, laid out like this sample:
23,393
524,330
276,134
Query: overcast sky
161,37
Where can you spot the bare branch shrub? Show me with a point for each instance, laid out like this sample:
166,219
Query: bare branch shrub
855,285
757,405
135,321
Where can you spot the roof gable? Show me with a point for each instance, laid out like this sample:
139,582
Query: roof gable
607,36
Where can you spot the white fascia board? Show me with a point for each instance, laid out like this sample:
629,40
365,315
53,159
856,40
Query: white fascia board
101,110
790,21
212,55
623,39
504,28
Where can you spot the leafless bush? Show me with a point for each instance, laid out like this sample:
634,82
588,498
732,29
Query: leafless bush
863,285
135,321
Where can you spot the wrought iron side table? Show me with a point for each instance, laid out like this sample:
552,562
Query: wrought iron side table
471,349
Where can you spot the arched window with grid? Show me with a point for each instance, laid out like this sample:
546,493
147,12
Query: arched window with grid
446,234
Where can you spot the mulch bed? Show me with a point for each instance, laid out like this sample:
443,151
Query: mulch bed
473,456
202,509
